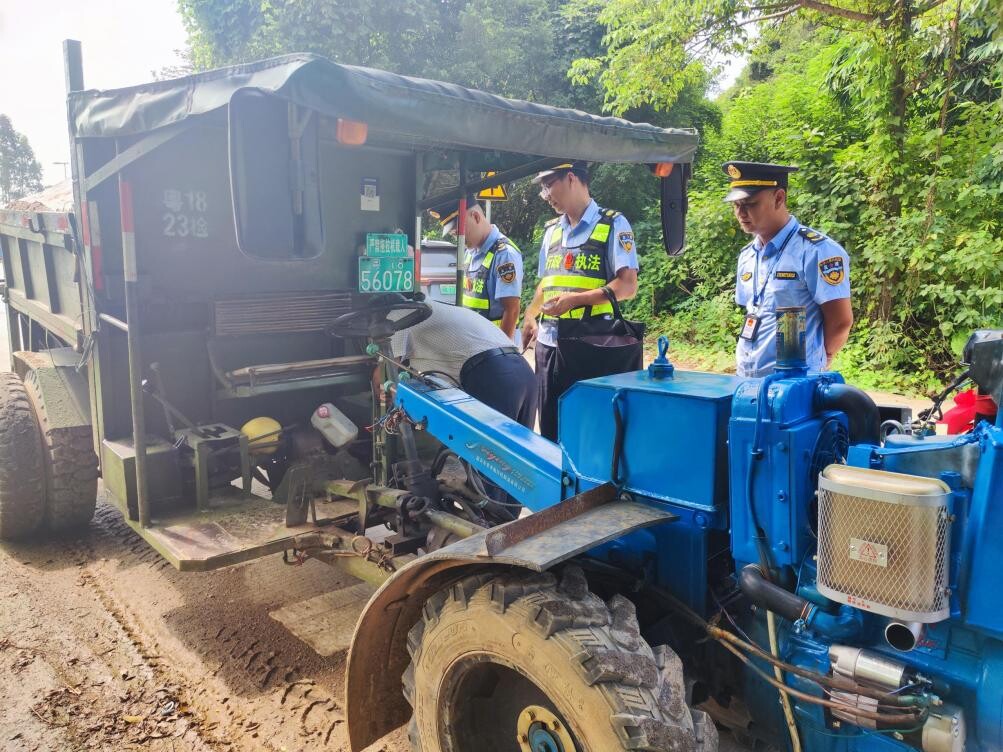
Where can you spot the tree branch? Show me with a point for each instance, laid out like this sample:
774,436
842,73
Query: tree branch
928,7
770,17
835,10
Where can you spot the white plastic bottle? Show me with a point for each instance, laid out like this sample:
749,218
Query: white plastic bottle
334,425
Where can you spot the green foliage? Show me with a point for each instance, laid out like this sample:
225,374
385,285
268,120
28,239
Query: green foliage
20,172
913,196
892,109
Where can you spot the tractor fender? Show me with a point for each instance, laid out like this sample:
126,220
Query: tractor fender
375,703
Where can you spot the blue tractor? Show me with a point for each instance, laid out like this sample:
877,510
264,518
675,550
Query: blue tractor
705,551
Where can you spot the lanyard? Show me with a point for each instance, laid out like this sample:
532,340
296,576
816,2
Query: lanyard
757,297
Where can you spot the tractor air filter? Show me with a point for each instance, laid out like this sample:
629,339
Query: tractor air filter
883,542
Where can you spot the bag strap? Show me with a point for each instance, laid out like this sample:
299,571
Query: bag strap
611,297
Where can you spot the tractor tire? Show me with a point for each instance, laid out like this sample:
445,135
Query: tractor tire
524,663
71,470
22,475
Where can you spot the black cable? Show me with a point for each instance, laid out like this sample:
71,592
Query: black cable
934,410
448,378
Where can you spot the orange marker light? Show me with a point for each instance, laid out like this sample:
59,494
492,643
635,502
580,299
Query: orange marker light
663,169
352,132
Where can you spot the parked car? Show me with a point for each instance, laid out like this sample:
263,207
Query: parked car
438,270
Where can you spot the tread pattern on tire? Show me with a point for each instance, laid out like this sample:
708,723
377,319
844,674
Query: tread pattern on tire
643,688
22,480
71,472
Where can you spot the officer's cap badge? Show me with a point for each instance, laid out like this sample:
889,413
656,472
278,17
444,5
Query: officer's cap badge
734,172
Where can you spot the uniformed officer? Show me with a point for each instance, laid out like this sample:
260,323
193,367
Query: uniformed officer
586,251
786,264
492,266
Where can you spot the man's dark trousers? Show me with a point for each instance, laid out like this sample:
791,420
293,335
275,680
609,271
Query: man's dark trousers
547,389
505,382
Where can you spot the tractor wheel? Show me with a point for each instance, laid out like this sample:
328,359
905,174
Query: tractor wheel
71,472
22,481
522,663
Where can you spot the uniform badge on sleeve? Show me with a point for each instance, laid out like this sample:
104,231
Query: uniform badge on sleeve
746,276
626,241
506,272
832,270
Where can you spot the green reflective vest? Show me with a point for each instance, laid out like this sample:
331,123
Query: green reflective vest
475,291
581,268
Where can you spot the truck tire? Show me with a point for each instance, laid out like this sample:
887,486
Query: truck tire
22,479
71,472
524,663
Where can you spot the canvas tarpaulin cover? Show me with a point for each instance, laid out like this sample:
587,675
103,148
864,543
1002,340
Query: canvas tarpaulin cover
412,111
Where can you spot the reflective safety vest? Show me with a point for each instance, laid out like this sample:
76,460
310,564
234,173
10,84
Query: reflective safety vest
475,291
580,268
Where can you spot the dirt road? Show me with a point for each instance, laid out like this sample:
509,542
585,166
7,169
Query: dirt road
103,645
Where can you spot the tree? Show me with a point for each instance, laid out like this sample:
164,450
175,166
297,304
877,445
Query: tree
20,172
811,95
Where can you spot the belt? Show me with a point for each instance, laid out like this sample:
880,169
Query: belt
475,360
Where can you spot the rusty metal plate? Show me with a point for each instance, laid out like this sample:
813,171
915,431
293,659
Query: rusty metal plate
519,530
238,530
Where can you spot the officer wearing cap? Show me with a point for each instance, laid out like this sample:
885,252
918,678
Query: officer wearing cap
786,264
586,251
492,266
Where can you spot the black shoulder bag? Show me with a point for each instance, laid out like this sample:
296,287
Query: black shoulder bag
594,346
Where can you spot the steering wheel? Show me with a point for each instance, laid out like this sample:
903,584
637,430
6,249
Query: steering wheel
375,322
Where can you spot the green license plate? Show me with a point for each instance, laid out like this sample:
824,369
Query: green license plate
385,274
447,289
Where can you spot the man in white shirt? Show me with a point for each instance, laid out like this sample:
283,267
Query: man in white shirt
476,354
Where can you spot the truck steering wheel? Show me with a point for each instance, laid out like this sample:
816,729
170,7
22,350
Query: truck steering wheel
375,321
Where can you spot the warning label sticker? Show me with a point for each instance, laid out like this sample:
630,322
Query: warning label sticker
869,552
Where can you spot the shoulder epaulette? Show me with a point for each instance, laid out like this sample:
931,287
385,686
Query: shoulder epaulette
553,222
812,236
610,213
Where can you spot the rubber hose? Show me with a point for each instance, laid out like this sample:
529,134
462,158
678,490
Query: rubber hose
772,597
863,414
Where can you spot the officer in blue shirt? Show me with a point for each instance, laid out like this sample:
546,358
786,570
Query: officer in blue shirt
587,254
786,264
492,266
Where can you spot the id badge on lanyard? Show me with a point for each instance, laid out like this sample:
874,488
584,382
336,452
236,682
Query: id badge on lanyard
753,320
751,327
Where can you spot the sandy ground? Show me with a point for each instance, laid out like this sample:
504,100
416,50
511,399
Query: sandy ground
105,646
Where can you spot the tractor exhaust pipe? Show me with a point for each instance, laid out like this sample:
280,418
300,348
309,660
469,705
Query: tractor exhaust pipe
903,635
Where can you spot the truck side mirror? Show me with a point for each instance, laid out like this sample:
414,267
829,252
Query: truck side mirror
274,177
674,206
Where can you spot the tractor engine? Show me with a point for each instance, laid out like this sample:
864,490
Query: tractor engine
874,555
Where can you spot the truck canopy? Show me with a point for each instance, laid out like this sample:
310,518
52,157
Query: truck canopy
398,109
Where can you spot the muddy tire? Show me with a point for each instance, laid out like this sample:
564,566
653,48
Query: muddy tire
524,663
71,470
22,480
